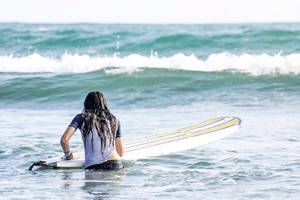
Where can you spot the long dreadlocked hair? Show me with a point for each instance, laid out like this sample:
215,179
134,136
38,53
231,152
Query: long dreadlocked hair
96,114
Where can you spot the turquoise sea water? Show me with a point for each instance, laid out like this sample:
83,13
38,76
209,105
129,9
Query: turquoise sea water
156,78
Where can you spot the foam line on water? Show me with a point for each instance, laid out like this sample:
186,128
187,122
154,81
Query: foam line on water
246,63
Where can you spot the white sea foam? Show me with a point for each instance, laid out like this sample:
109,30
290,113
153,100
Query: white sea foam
246,63
43,29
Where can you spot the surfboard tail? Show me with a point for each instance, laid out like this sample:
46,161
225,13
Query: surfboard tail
43,164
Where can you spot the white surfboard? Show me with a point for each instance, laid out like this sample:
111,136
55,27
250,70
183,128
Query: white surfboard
180,140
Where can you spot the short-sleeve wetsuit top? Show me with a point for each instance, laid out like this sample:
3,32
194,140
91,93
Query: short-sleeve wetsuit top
92,147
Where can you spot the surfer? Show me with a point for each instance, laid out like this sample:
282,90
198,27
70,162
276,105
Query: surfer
100,132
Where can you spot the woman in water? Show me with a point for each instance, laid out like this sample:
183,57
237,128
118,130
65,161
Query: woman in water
100,132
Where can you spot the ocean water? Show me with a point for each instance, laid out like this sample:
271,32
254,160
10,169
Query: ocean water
156,79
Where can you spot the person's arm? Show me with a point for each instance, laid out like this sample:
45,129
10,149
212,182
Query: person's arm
119,141
119,146
64,141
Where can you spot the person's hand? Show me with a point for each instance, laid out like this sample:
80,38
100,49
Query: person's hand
69,156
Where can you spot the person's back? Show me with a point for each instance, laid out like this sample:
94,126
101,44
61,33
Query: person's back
101,135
